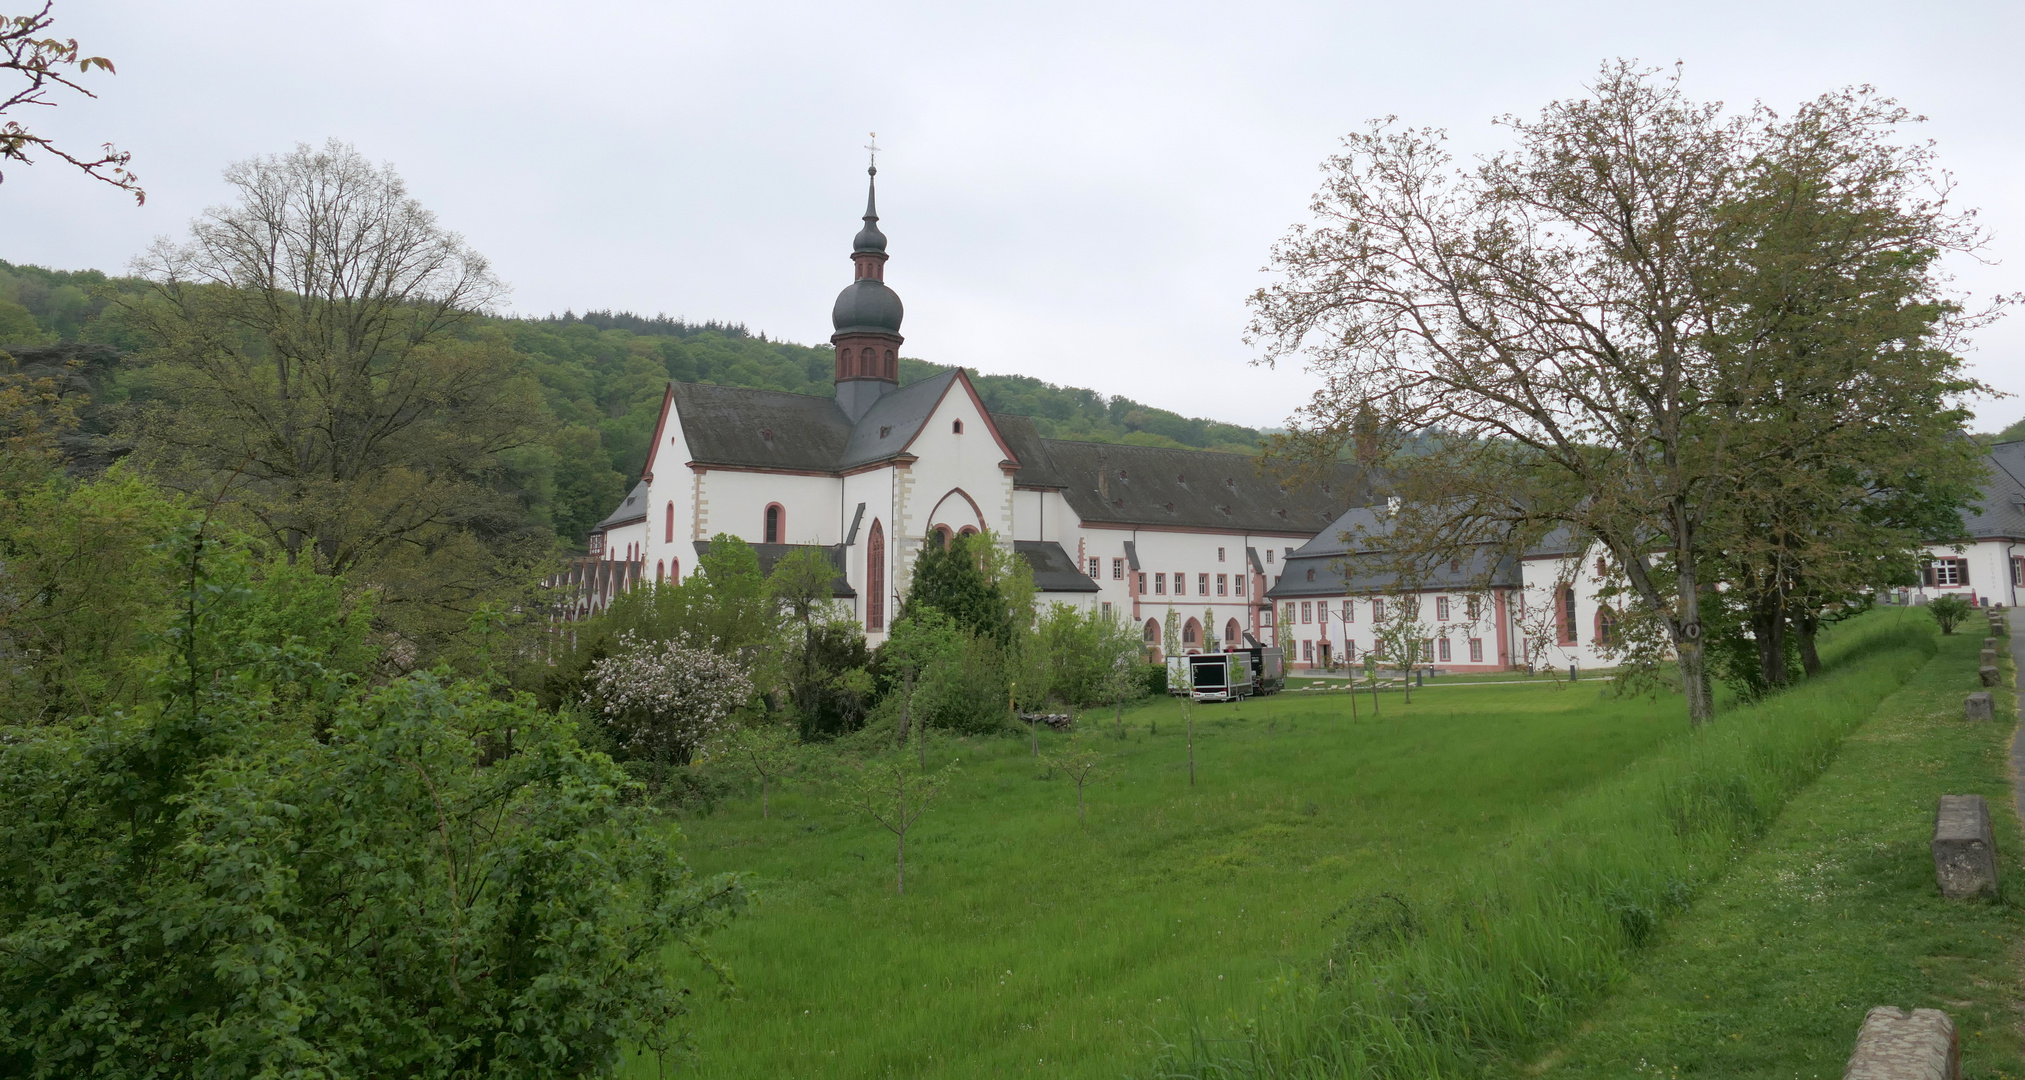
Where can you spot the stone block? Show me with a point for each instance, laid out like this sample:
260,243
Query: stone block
1978,706
1988,674
1965,851
1989,656
1896,1045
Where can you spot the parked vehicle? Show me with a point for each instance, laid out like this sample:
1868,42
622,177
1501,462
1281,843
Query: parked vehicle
1221,676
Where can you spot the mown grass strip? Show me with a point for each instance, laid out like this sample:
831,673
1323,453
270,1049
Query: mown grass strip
1549,923
1770,973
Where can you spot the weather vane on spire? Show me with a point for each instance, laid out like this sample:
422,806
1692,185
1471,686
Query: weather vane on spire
873,148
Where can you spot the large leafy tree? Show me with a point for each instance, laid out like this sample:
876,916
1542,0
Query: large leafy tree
307,368
1584,321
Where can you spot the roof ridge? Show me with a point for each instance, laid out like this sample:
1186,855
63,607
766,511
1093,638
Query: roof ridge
1137,446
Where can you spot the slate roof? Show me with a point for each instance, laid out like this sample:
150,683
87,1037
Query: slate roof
892,421
1054,571
1037,467
634,508
1155,487
2000,513
729,425
1346,558
770,555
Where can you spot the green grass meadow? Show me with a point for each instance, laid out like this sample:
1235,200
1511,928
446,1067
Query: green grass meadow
1537,837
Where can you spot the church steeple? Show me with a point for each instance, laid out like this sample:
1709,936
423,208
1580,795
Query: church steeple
867,318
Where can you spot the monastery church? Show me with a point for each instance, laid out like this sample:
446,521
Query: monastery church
871,474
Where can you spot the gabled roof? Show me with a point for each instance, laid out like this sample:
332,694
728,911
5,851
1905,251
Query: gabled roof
1155,487
1338,572
2000,513
768,429
1037,468
893,421
1054,571
634,508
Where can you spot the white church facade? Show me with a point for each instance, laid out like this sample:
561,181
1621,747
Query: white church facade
871,474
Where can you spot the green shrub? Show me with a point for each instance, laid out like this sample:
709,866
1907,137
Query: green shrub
1154,677
1948,610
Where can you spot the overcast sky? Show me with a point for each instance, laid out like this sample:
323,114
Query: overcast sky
1082,192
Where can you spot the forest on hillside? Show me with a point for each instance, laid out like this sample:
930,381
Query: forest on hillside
599,376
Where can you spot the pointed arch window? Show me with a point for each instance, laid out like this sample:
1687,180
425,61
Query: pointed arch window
776,524
668,533
875,578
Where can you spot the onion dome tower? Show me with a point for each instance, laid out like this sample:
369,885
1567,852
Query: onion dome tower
867,318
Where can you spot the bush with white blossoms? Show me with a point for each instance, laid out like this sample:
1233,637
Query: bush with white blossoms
665,701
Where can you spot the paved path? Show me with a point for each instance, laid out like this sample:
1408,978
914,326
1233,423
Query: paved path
2017,639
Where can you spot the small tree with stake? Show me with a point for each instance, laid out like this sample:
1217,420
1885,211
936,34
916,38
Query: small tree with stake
768,752
1083,765
895,795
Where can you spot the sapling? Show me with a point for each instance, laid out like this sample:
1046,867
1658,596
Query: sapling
768,752
895,794
1082,764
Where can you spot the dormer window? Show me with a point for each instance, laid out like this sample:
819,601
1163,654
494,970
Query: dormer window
885,431
766,434
956,427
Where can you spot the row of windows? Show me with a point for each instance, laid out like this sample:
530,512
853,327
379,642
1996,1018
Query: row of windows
1313,611
1191,632
1431,650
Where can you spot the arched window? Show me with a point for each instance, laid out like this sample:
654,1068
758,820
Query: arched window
1564,614
875,578
776,524
865,362
843,361
940,534
956,427
668,534
1191,633
1606,626
892,366
1230,633
660,571
966,531
675,571
1153,631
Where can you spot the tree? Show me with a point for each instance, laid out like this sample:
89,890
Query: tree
1569,336
1082,764
922,646
1949,610
823,651
768,752
307,364
439,881
48,63
1398,634
895,794
664,701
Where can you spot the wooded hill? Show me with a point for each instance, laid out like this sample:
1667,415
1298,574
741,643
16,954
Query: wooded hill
600,375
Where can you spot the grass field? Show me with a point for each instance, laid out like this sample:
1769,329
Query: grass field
1769,975
1028,945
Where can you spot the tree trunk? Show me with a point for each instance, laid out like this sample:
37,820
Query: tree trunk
900,865
1188,719
906,700
1804,628
1079,802
1687,638
1768,630
762,796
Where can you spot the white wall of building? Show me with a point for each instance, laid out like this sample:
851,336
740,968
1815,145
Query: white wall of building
1991,572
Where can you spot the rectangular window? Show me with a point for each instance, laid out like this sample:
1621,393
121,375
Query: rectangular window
1237,584
1322,612
1307,613
1377,611
1160,584
1349,650
1476,650
1290,613
1181,584
2018,572
1107,611
1426,650
1951,573
1442,646
1308,652
1117,569
1470,608
1564,615
1096,568
1222,584
1349,611
1265,616
1219,555
1202,584
1142,583
1269,556
1441,611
